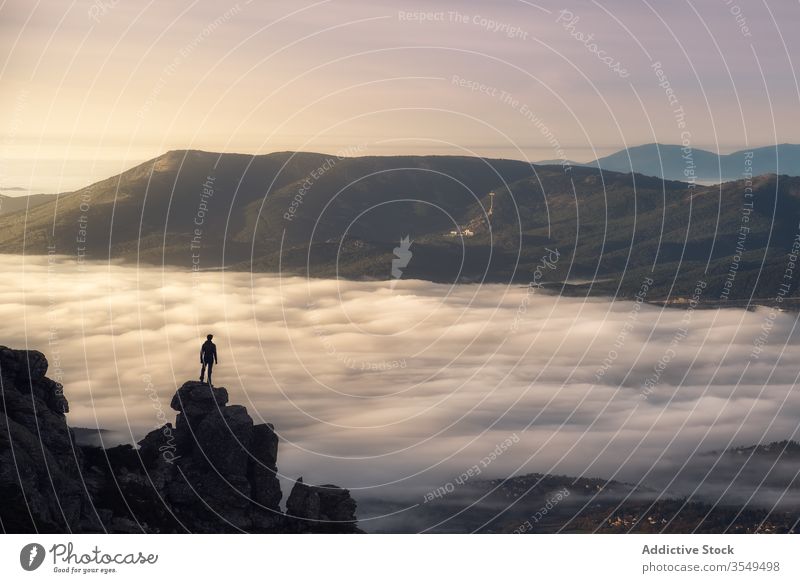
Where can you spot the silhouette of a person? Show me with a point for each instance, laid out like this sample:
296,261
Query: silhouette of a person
208,357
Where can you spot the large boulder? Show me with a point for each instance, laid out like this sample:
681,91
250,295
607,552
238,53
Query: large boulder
196,399
322,509
23,365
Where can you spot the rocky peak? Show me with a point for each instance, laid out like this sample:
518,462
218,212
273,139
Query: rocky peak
214,470
24,371
39,467
197,399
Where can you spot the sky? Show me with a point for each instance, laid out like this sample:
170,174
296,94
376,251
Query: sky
91,87
395,389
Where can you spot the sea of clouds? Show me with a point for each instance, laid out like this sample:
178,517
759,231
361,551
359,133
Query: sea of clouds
395,388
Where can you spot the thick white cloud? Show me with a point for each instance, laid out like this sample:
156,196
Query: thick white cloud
387,390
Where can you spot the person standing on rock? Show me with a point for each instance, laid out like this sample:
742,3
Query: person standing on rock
208,357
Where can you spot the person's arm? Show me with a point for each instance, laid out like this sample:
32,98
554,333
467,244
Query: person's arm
215,354
201,354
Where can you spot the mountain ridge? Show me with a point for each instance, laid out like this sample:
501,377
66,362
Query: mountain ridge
673,162
325,216
616,161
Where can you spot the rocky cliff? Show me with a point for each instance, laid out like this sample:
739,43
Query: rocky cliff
213,471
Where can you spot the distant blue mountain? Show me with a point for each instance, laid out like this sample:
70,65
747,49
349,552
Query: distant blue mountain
669,162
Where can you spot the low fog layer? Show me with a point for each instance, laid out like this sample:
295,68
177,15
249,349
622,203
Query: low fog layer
396,388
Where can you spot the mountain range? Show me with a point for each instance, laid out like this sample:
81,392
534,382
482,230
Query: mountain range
467,219
676,163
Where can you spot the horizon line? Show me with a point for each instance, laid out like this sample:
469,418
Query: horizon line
19,192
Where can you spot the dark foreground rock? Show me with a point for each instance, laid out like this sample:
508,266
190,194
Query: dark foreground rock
324,508
213,471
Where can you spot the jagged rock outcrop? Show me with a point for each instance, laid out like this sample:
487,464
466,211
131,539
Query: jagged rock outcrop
213,471
326,508
40,487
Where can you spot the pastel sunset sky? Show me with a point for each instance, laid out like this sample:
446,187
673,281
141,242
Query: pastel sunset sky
91,87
